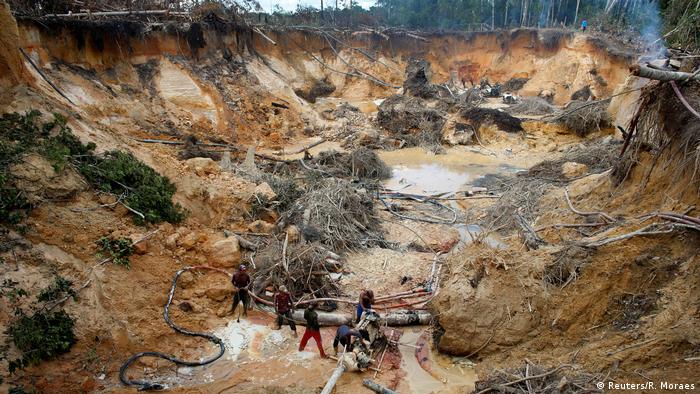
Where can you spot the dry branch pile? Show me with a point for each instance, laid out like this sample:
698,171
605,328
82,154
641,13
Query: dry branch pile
303,268
584,118
524,191
536,379
532,106
362,163
338,215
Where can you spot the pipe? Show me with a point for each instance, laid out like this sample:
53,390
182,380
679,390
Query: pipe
328,388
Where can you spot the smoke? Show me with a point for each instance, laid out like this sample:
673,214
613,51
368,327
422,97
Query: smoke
648,16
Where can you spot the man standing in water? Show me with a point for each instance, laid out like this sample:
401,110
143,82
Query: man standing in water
283,308
313,329
241,281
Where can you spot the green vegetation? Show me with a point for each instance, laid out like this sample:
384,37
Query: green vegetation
10,290
41,336
141,188
61,287
118,249
148,194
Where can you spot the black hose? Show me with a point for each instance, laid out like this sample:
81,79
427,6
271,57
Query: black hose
145,385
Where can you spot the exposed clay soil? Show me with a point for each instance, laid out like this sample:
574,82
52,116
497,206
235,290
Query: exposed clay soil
494,304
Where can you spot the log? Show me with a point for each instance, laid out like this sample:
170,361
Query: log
662,75
396,318
337,372
118,13
376,387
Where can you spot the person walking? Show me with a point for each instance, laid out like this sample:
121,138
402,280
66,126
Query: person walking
241,281
584,25
313,329
283,308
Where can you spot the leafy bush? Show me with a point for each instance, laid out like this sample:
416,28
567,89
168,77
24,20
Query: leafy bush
118,249
59,288
140,187
145,190
42,336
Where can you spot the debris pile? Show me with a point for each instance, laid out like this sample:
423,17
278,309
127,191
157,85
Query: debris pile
532,106
338,215
362,163
305,269
584,118
536,379
481,116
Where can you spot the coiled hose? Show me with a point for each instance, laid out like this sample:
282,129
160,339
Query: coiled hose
145,385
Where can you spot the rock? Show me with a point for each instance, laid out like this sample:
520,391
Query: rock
269,215
186,280
456,133
265,190
366,137
226,253
203,166
88,385
171,241
224,310
37,178
261,226
141,247
219,294
293,233
572,169
188,241
548,95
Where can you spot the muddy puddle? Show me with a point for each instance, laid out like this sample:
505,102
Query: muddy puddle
415,170
449,375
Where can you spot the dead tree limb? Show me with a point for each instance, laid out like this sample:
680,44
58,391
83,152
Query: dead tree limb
603,215
647,230
302,149
41,73
270,40
662,75
530,237
542,375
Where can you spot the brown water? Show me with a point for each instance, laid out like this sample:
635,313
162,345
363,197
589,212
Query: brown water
456,378
415,170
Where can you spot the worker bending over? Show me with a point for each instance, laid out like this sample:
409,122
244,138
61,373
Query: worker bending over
344,335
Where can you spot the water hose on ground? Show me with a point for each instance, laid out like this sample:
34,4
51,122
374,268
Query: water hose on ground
145,385
400,318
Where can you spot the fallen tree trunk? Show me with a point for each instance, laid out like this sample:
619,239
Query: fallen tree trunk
662,75
396,318
376,387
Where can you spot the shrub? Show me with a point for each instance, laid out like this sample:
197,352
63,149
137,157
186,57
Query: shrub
116,172
41,336
144,190
59,288
118,249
